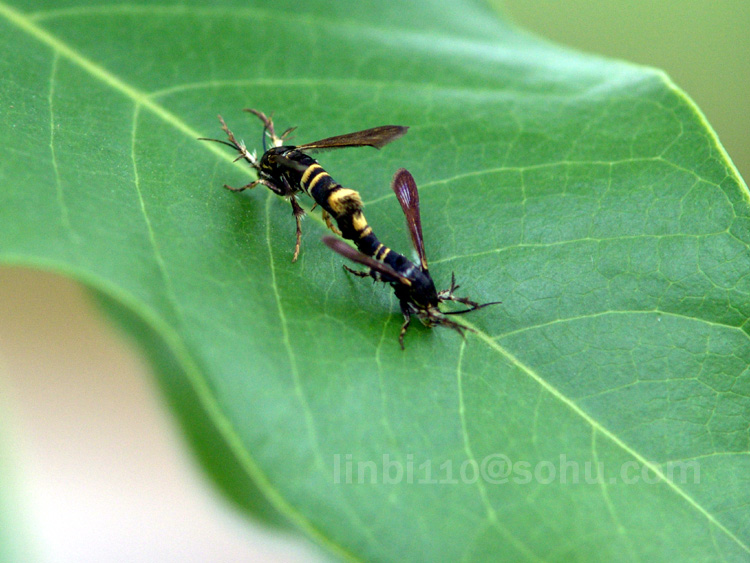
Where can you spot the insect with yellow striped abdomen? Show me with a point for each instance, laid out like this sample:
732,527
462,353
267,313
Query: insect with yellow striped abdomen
412,283
287,170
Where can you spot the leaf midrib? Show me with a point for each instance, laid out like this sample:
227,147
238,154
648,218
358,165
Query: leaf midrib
24,23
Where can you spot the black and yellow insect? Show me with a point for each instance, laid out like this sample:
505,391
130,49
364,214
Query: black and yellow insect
412,283
287,170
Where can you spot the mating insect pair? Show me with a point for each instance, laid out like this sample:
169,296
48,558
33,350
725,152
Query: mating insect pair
287,170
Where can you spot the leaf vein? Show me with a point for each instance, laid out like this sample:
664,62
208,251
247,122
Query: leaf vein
490,510
296,380
605,432
169,288
313,435
619,312
64,215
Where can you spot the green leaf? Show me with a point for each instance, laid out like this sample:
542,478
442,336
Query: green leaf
590,196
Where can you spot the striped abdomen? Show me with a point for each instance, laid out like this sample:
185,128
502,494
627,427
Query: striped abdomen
345,206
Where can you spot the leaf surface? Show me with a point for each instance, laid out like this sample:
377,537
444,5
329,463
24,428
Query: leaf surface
589,196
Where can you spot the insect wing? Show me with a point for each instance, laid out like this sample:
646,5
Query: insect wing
406,191
339,246
288,163
376,137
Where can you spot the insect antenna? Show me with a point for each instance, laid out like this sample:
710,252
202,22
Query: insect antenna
263,138
472,306
239,146
447,295
227,143
286,133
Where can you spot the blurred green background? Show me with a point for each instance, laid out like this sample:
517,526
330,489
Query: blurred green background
704,45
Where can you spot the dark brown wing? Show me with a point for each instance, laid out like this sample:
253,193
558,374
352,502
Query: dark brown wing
288,163
405,187
338,245
376,137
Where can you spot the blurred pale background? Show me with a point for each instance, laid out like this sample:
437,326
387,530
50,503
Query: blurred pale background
101,472
99,468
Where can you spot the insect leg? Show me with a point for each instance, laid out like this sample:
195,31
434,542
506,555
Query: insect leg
447,295
329,224
298,212
473,305
357,272
457,327
249,186
407,322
